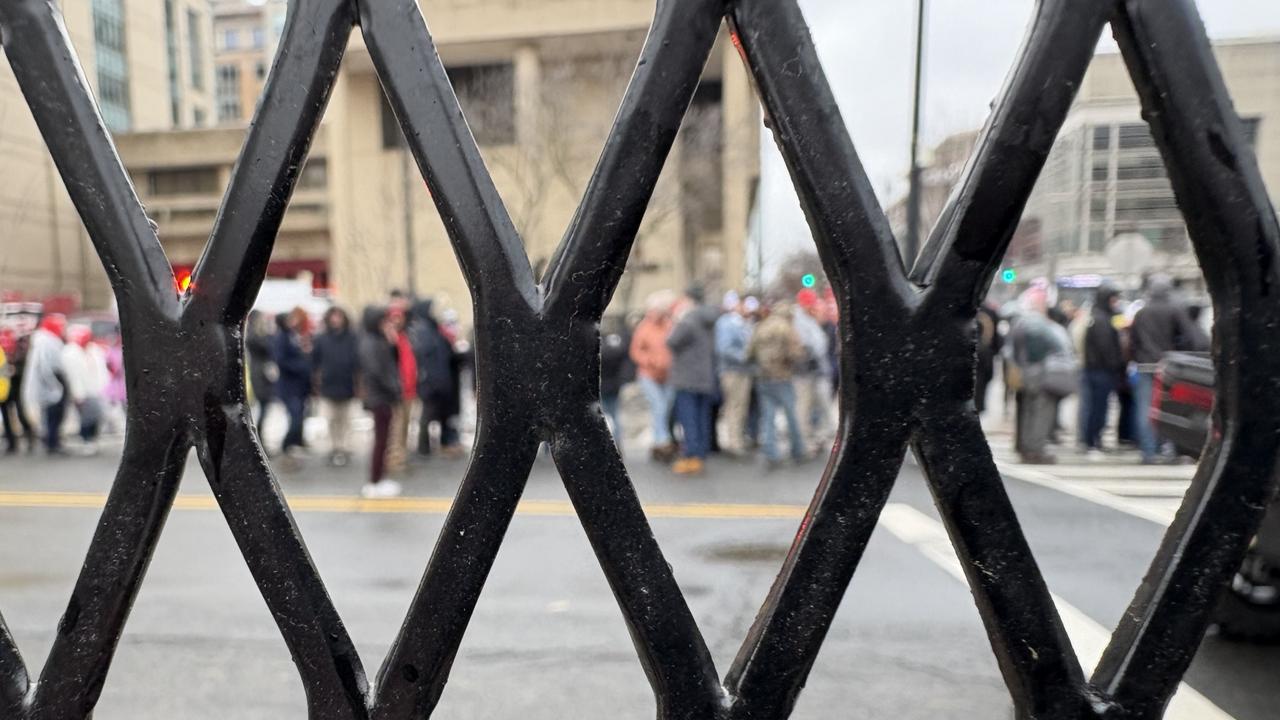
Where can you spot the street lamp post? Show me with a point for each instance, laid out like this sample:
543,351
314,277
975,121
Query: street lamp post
911,244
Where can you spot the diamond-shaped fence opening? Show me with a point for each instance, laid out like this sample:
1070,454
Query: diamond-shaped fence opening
908,356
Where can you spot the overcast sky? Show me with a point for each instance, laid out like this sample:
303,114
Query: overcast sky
866,46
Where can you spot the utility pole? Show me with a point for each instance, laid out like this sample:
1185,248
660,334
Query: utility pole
911,243
406,173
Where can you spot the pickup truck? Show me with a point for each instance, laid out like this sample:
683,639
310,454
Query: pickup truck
1182,412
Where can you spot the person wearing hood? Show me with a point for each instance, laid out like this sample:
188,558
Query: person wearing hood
1104,365
335,358
776,350
1162,325
693,376
291,352
44,381
382,393
85,365
438,383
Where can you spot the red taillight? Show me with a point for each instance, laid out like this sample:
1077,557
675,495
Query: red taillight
1193,395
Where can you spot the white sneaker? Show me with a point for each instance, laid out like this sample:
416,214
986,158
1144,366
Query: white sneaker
1095,455
381,489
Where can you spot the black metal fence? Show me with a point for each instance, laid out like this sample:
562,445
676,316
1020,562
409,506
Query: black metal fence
908,360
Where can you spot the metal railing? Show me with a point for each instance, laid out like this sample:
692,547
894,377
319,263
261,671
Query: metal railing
907,360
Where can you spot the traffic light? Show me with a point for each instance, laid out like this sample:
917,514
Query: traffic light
809,280
1009,276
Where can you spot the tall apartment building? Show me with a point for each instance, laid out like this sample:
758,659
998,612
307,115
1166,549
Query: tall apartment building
147,63
1105,178
540,82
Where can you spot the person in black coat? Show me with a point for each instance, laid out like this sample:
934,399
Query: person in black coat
335,357
990,342
291,352
1104,364
439,385
382,392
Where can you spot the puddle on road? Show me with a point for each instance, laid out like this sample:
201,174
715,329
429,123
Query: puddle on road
748,552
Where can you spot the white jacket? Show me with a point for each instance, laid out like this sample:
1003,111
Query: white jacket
86,371
40,385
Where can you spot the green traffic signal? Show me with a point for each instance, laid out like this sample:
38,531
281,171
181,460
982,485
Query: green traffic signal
809,280
1009,276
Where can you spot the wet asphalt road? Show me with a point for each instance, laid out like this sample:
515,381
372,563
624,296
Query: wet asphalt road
547,640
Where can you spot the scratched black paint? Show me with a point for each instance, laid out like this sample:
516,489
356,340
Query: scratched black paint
908,355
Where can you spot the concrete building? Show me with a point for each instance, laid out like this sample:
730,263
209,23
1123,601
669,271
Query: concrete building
540,83
1106,180
245,35
148,65
940,171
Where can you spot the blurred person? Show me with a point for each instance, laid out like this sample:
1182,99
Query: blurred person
438,384
263,374
1104,366
44,383
693,376
616,370
398,443
291,353
733,335
15,348
813,397
85,367
776,350
652,359
990,343
1162,325
115,394
1034,340
382,392
829,319
335,359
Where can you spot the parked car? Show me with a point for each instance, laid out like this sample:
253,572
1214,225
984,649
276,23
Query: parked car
1182,411
1182,401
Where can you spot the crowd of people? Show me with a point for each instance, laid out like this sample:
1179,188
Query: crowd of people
715,378
1109,352
721,376
54,375
401,363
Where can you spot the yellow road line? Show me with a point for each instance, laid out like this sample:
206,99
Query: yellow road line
415,505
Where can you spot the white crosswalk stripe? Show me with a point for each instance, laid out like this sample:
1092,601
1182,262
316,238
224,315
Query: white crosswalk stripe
1153,492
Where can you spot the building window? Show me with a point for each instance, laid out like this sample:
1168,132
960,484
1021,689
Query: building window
195,49
1102,137
228,92
231,39
259,38
113,63
260,69
487,96
171,54
315,176
198,118
1135,135
183,181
